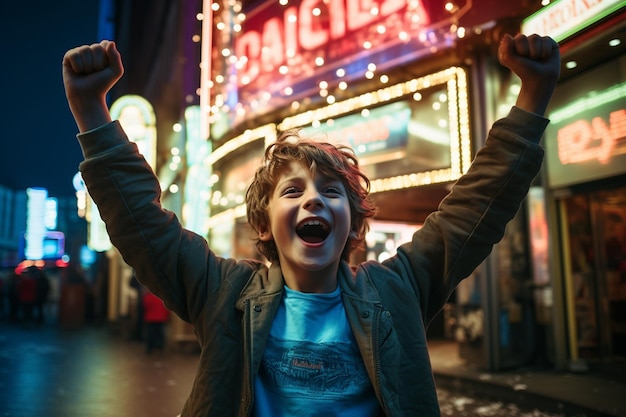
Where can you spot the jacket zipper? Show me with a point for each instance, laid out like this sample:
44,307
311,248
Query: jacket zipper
244,410
375,344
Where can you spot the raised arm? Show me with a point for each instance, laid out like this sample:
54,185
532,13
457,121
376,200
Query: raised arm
89,72
458,236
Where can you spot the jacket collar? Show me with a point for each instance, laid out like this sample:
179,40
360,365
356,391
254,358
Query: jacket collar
262,282
268,282
355,282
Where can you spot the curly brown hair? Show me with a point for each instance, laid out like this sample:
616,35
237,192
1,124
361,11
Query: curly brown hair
333,161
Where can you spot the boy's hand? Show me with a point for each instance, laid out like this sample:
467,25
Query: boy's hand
531,56
537,62
91,69
89,72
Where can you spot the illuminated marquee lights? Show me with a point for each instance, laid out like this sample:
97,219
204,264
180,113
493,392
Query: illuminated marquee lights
267,131
268,134
368,99
454,78
227,216
280,51
456,81
303,28
413,180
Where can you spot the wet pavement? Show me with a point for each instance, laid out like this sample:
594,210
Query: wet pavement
86,373
93,371
598,393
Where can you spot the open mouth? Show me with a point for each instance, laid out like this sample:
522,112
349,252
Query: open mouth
313,230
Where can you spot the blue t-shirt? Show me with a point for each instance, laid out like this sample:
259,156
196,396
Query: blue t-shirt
312,365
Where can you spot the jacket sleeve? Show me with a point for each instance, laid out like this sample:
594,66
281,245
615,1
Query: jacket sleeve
171,261
457,237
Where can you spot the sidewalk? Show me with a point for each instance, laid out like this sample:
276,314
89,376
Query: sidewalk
565,393
88,372
92,372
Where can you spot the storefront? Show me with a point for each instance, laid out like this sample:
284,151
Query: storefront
413,88
585,190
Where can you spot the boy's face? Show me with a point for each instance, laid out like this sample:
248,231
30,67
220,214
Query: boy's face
309,221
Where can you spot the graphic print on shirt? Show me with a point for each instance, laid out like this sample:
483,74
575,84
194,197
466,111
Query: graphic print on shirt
319,370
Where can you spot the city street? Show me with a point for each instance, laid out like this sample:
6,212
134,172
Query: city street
91,372
87,372
520,103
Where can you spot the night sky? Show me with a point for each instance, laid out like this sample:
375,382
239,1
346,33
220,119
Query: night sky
38,143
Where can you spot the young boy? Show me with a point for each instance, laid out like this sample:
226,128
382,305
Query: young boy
309,335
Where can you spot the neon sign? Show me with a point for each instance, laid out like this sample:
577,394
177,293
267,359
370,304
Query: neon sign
281,52
564,18
586,138
35,223
584,141
286,38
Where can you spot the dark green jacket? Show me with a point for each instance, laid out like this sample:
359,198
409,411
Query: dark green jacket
231,303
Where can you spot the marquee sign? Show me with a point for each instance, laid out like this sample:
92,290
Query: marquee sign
305,35
563,18
281,53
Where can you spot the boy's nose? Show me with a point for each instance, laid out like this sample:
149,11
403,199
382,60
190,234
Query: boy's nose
314,200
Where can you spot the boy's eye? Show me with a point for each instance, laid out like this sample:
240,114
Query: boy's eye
332,190
290,190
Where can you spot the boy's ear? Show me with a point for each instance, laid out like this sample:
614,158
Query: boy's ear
265,234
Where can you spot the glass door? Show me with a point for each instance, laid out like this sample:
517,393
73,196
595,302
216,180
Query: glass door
594,255
610,210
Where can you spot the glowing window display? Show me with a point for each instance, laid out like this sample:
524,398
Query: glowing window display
586,139
426,142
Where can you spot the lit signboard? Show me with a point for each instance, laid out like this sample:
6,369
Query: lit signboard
136,116
52,247
379,131
39,241
35,222
198,179
97,235
563,18
405,135
310,33
586,139
398,138
280,53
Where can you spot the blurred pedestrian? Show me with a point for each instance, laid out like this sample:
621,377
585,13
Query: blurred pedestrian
27,293
72,300
13,297
155,317
137,332
43,290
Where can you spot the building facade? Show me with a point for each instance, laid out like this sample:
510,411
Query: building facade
413,87
580,264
